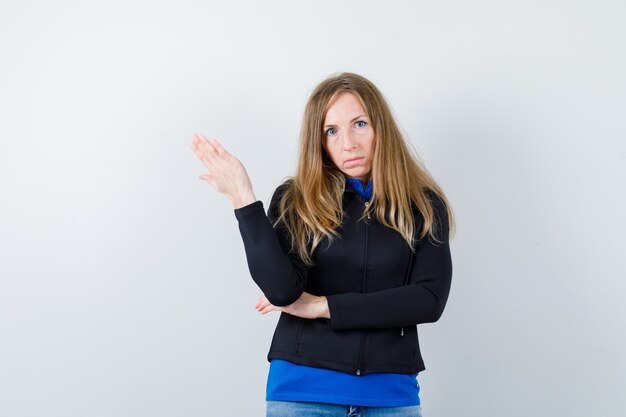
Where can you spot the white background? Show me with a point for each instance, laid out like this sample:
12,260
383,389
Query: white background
124,289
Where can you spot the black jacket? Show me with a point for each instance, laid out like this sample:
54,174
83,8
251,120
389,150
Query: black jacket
377,289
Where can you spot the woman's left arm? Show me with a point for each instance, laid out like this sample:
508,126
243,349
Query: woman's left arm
421,301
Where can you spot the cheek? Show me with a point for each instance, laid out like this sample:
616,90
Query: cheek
333,152
366,138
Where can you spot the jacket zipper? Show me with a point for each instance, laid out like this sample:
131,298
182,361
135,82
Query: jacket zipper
298,343
361,342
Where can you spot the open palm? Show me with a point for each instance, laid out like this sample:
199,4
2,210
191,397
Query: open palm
226,173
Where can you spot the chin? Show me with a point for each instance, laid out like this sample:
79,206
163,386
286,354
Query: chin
356,173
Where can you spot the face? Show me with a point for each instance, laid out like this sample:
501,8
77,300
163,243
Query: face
349,136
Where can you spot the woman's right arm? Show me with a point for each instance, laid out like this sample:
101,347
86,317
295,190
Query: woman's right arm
277,270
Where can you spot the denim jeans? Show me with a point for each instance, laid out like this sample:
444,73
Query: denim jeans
300,409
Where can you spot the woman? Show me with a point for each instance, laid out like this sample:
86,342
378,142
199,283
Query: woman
354,252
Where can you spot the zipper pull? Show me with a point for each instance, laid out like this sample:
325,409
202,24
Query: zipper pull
368,215
402,332
358,372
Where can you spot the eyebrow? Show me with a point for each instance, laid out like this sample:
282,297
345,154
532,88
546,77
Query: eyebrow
358,117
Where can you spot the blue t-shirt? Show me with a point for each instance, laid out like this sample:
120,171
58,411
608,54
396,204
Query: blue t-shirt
288,381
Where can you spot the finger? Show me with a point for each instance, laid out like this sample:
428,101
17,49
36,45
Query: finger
219,148
258,302
204,147
195,146
215,153
263,304
203,150
268,309
198,140
207,149
208,178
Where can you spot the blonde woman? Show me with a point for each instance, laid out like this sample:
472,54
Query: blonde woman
354,252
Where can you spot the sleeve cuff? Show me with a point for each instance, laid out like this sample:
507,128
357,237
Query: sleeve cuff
250,209
334,309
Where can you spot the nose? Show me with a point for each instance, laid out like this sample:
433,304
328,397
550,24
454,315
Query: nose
348,144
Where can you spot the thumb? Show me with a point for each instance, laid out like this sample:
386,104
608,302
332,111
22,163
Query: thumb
207,177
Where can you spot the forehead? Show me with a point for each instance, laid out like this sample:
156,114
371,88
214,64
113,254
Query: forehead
345,106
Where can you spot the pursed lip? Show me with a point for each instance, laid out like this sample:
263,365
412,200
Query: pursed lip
354,159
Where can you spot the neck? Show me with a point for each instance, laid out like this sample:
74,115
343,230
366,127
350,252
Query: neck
363,180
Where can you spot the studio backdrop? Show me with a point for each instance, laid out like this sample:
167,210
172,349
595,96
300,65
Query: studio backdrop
124,289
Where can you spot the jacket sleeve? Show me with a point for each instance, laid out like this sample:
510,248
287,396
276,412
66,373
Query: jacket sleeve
275,268
421,301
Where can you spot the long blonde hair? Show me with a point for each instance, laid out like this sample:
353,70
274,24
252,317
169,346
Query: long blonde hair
311,205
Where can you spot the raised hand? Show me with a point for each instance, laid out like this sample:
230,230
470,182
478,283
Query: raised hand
308,306
226,173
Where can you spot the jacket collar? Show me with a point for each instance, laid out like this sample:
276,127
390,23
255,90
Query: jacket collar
354,185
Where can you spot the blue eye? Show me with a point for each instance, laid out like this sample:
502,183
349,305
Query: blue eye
331,131
361,121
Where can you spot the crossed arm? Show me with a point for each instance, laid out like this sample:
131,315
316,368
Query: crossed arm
282,277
